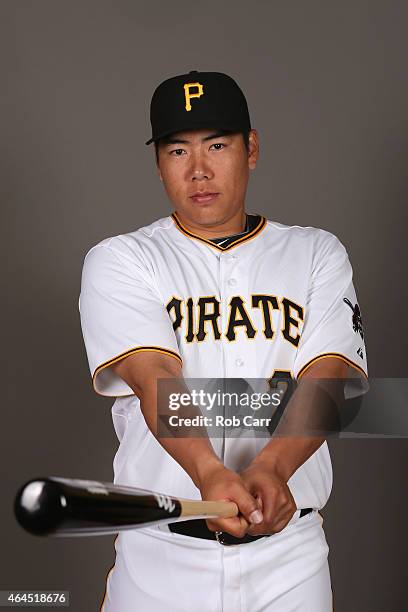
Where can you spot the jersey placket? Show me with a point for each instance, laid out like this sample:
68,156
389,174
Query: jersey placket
227,280
231,595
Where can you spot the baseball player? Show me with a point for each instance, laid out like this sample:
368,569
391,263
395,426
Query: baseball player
213,291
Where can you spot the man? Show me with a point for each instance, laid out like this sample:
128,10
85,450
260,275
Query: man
214,292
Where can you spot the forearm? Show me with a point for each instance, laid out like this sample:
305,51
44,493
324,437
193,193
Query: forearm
312,412
284,455
193,451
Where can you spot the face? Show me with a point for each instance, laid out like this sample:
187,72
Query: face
206,174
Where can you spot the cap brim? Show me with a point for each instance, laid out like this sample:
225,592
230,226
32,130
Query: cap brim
209,124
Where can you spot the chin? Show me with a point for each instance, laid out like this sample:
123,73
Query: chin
207,215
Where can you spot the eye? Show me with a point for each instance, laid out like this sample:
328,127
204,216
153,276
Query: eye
177,152
218,146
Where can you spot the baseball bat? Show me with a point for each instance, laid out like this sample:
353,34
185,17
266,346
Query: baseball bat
55,506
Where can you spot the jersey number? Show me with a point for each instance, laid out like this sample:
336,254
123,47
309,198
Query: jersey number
283,383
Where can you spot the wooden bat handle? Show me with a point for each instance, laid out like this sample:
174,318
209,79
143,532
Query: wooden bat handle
217,509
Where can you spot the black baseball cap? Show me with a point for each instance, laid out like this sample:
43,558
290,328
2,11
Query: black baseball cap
198,100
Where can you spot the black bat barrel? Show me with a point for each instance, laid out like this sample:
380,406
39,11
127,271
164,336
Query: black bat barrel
57,506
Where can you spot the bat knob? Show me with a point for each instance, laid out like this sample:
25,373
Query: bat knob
39,506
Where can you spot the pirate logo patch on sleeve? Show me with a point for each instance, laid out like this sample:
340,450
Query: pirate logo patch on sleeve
357,321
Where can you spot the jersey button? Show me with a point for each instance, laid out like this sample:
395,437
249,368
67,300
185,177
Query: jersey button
232,282
239,362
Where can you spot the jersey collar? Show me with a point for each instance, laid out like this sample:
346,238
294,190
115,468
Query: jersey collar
240,240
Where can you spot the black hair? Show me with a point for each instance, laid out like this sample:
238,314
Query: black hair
245,136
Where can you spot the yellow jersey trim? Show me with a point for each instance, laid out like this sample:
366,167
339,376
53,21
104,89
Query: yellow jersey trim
338,356
106,580
106,587
257,230
155,349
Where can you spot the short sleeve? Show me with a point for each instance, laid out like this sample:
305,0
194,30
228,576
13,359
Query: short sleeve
121,313
332,324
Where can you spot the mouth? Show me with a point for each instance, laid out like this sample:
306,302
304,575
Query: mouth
201,197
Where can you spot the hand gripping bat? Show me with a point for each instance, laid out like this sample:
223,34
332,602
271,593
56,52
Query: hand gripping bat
56,506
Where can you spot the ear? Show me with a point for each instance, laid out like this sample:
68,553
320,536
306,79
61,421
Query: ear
156,152
158,169
253,149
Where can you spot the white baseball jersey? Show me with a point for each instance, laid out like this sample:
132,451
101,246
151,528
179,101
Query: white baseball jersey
272,299
276,298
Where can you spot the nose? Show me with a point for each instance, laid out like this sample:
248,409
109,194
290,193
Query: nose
199,168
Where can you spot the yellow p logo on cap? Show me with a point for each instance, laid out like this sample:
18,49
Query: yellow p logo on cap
189,95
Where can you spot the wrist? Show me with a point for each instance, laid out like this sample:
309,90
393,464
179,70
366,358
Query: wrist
273,464
284,455
204,466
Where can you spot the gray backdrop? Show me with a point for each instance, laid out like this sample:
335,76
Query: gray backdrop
326,84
